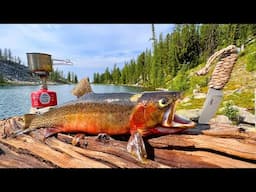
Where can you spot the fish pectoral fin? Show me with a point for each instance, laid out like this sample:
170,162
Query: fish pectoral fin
136,147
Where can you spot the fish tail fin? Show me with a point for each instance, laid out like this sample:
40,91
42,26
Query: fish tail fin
27,118
21,131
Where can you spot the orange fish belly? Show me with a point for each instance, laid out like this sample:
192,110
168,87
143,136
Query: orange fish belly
111,124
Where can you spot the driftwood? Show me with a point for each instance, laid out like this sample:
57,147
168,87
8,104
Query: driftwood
216,145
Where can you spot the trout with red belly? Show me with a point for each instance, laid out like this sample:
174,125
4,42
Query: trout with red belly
114,114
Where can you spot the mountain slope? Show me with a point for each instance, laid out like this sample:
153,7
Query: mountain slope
239,89
15,72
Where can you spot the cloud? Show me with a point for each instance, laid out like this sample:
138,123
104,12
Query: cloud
89,46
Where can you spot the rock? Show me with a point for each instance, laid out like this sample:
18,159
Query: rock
247,126
220,119
16,72
185,100
245,116
192,114
199,95
186,104
196,90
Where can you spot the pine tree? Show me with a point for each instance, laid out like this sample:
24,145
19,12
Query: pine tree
161,62
251,30
209,36
174,48
153,38
124,74
19,60
107,76
76,80
72,77
9,56
95,78
1,78
243,33
171,56
69,77
5,54
147,69
140,68
116,75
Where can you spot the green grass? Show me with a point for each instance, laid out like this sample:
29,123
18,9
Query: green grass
251,62
230,111
193,104
239,89
244,99
5,83
250,57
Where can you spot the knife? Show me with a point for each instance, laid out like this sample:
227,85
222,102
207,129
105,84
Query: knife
211,104
220,77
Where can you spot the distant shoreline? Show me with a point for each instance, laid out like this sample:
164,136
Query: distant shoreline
133,85
28,83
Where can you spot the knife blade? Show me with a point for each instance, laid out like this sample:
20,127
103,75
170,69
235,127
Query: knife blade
211,104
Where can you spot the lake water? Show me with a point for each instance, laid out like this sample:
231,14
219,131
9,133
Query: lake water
15,100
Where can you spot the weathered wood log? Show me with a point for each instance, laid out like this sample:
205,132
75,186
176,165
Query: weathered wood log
207,146
112,148
59,159
198,159
58,152
113,161
230,131
9,158
228,146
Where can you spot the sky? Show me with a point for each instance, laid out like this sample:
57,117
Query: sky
90,47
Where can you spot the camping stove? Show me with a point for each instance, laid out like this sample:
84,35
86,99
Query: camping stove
41,65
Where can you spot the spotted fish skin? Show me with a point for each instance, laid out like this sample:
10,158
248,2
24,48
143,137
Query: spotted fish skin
111,113
114,114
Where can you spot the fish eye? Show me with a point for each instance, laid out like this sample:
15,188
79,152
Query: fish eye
163,102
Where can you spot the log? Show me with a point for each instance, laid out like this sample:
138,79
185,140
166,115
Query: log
59,152
9,158
59,159
114,148
206,146
228,146
230,131
198,159
112,160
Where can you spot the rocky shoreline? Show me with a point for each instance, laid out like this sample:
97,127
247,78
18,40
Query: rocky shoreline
19,75
29,83
16,73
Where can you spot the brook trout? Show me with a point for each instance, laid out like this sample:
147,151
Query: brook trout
114,114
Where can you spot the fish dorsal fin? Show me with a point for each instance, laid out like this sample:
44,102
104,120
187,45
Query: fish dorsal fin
82,88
